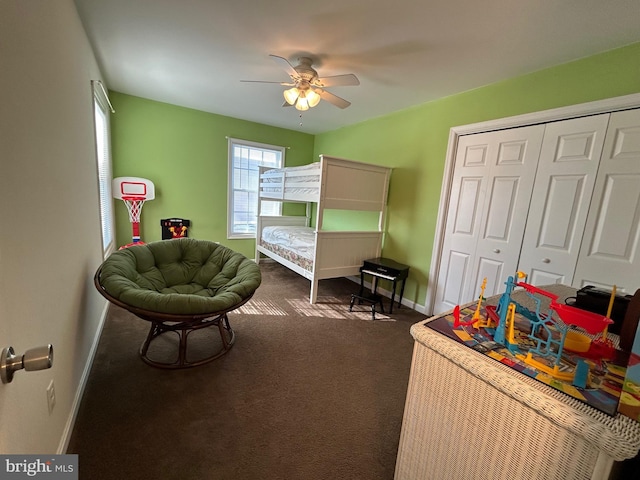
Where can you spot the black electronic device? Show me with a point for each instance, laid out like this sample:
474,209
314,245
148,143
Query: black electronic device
596,300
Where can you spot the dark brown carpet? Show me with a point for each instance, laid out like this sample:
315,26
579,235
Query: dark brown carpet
307,392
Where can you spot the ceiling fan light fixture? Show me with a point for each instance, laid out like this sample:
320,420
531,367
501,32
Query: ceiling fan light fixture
291,95
302,104
308,88
312,98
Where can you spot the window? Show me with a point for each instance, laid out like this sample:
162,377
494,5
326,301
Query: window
103,154
244,160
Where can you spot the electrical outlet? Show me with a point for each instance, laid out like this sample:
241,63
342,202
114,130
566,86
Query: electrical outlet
51,397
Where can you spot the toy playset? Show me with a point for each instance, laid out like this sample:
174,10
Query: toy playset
565,347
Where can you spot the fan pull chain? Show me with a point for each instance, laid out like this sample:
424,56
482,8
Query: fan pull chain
300,119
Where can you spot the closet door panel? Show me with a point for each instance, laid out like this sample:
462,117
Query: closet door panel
462,240
565,180
504,213
457,267
463,219
556,238
494,272
541,277
491,187
609,254
464,222
501,208
493,253
616,226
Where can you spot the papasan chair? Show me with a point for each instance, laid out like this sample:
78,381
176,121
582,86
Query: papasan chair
180,285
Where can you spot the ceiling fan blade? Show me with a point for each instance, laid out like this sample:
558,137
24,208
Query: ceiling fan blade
284,63
284,84
332,99
337,81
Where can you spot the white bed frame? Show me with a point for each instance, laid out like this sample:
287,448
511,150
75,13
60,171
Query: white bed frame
343,185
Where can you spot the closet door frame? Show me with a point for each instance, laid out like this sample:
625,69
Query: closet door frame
581,110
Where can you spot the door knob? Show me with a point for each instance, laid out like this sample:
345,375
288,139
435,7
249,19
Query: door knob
546,260
39,358
496,250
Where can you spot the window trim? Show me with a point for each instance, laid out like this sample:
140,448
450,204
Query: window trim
232,142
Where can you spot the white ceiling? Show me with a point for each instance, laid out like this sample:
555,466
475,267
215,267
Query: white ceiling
194,53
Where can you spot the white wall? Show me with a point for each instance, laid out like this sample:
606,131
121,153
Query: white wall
49,216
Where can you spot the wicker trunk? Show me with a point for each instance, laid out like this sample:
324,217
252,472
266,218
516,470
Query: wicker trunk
470,417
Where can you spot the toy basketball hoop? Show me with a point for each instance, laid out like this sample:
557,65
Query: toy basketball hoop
133,191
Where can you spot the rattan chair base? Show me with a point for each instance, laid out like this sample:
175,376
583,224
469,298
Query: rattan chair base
183,329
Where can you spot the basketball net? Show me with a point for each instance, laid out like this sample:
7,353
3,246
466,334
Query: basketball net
134,207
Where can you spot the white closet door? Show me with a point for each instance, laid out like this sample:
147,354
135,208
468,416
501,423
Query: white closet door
491,187
610,250
567,169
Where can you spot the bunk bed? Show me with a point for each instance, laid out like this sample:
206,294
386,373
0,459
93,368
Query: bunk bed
330,184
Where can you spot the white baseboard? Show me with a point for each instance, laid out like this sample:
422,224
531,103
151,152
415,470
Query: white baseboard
68,429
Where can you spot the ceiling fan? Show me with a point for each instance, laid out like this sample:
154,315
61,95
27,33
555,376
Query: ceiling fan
307,87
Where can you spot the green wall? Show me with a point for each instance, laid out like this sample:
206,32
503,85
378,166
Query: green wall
414,142
184,152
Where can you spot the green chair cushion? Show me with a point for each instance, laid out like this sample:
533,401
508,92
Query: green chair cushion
180,276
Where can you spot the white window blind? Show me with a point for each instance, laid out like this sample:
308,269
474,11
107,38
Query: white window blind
245,158
103,156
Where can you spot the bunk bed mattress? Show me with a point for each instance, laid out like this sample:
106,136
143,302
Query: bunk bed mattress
296,244
309,174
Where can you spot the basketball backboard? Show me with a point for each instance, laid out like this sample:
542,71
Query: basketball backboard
133,187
